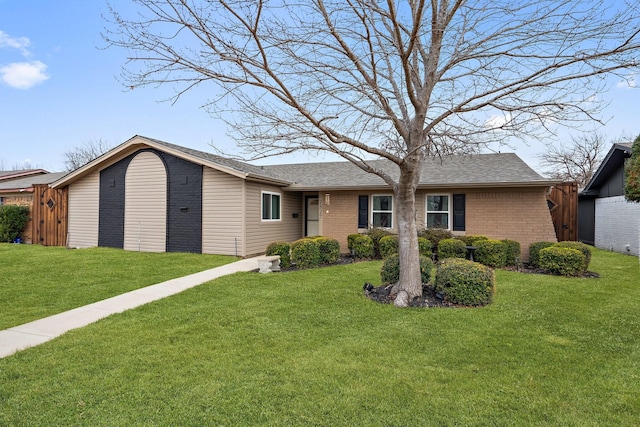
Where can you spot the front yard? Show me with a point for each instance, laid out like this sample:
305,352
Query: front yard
307,348
38,281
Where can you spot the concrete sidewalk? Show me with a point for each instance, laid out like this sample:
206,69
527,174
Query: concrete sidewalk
40,331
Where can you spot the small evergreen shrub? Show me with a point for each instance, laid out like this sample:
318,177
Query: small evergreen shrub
360,245
584,248
388,246
491,252
563,261
305,253
390,271
329,249
424,246
376,234
283,249
534,252
451,248
13,219
434,235
465,282
513,251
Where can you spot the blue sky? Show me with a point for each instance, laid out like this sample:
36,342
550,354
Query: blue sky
59,90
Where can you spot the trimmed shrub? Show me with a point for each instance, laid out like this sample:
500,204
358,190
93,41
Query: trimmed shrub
305,253
472,239
435,235
451,248
491,252
12,222
465,282
582,247
329,249
376,234
513,251
388,246
283,249
534,252
424,246
360,245
390,271
563,261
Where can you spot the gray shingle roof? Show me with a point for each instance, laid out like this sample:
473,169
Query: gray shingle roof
462,170
27,182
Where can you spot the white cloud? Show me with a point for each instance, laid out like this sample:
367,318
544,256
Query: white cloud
21,43
498,120
23,75
628,82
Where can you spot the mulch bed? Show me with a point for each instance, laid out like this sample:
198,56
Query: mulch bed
382,294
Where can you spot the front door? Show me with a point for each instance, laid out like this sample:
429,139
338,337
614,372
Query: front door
313,216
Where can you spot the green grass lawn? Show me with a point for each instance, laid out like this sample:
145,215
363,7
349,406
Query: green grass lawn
307,348
38,281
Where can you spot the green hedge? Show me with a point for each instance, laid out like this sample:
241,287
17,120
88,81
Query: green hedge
584,248
13,219
376,235
562,260
491,252
388,246
435,235
329,249
534,252
390,271
472,239
305,253
425,247
513,251
451,248
283,249
360,245
465,282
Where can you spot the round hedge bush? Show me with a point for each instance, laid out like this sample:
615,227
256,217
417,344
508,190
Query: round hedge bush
513,251
472,239
360,245
283,249
435,235
329,249
13,219
465,282
534,252
584,248
388,246
305,253
451,248
390,271
491,252
562,261
425,246
376,235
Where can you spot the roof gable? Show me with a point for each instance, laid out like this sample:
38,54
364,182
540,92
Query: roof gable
613,161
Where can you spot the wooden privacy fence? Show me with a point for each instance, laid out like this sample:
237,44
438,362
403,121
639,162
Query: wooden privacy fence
49,215
563,205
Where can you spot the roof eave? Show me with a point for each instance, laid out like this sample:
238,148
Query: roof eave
384,187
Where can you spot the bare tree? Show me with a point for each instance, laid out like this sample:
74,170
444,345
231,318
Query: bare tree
577,161
82,154
392,79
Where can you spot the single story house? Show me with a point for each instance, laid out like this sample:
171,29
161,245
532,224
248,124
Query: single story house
17,188
150,195
605,218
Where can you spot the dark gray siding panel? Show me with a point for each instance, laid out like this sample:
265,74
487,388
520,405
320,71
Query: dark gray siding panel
586,220
184,205
614,185
111,206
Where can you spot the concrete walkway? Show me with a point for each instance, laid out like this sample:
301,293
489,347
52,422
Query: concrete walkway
40,331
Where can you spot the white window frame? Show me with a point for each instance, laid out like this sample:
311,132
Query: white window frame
271,194
449,210
391,212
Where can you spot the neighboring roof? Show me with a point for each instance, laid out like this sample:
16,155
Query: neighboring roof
613,161
26,183
478,170
7,175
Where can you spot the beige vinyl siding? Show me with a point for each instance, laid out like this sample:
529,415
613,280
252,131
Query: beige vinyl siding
145,212
222,213
260,233
83,212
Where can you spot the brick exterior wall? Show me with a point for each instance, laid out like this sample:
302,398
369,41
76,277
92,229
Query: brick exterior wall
21,200
516,214
617,225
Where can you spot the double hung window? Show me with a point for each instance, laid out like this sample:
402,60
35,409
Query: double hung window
270,206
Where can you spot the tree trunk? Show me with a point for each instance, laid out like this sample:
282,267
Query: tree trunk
410,284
